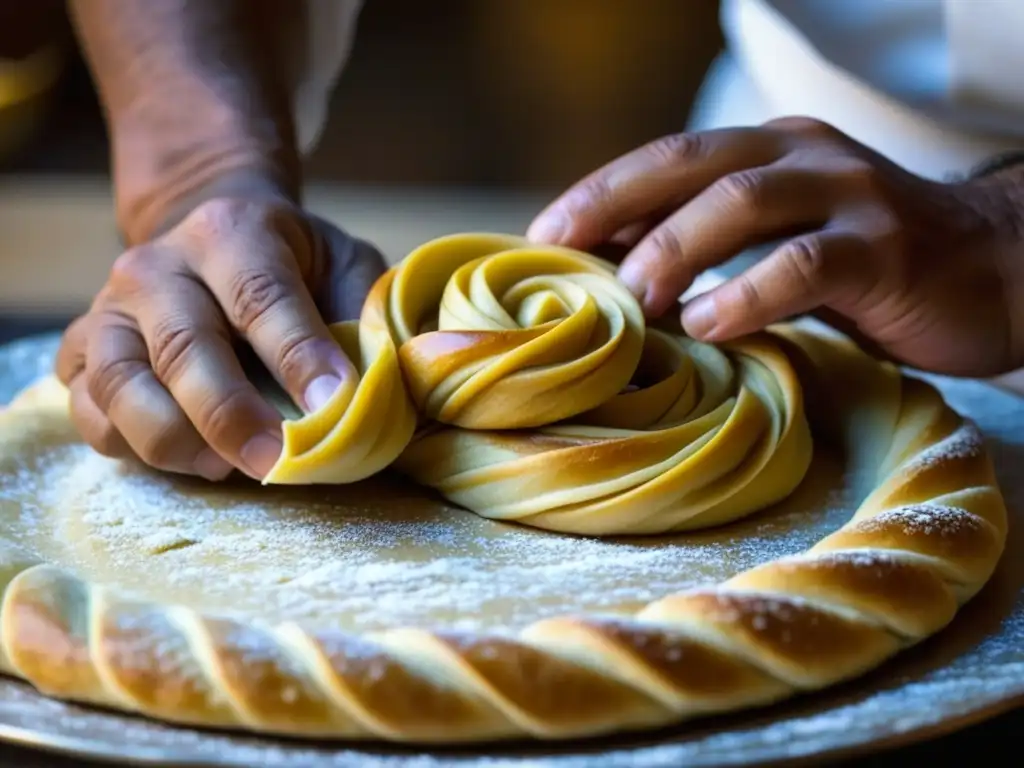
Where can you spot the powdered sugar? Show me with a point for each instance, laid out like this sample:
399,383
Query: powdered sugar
908,697
974,665
923,520
881,561
371,556
148,641
965,443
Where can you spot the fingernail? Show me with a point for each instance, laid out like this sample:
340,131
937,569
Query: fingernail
550,228
261,453
211,466
320,390
699,318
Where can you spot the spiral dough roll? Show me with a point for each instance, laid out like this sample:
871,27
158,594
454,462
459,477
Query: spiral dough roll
543,397
523,384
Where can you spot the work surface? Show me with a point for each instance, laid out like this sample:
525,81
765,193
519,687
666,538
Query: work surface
59,241
972,669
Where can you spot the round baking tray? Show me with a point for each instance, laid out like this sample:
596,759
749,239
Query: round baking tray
971,671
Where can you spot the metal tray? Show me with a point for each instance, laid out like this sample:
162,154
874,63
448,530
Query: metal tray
971,671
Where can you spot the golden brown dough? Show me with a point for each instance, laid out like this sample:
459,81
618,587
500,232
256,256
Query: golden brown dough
518,359
727,431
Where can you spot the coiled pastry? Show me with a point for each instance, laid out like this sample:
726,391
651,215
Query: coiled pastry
546,400
702,436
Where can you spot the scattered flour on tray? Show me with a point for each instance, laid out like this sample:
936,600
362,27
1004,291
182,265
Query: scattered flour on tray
369,557
976,664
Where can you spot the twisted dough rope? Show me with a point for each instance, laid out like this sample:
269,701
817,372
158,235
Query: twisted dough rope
492,335
925,539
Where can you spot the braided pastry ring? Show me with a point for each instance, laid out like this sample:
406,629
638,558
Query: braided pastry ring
924,540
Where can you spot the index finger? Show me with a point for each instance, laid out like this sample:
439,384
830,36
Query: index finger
192,357
650,182
256,275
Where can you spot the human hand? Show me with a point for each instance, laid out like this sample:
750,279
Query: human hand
153,367
921,272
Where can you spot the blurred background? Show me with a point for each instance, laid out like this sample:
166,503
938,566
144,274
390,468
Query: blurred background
451,115
500,93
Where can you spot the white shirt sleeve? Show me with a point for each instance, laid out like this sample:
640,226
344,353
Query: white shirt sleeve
928,83
322,53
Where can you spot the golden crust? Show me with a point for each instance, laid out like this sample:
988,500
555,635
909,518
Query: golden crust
547,338
719,433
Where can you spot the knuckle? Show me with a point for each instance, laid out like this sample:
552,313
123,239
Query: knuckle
861,176
107,441
665,249
215,217
884,225
748,297
252,295
131,271
170,344
854,167
220,420
96,430
677,148
294,355
105,297
806,260
806,127
884,242
162,448
592,194
742,189
109,377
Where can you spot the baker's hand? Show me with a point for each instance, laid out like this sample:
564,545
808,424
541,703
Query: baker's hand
924,270
153,369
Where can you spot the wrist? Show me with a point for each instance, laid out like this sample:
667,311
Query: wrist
157,186
997,193
197,99
252,182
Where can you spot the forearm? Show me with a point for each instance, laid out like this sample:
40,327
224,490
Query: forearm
197,100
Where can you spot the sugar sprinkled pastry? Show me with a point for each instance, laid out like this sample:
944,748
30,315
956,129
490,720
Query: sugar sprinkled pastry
522,383
546,400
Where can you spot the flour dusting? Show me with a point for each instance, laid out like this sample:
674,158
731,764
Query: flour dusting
974,665
924,519
371,556
964,443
